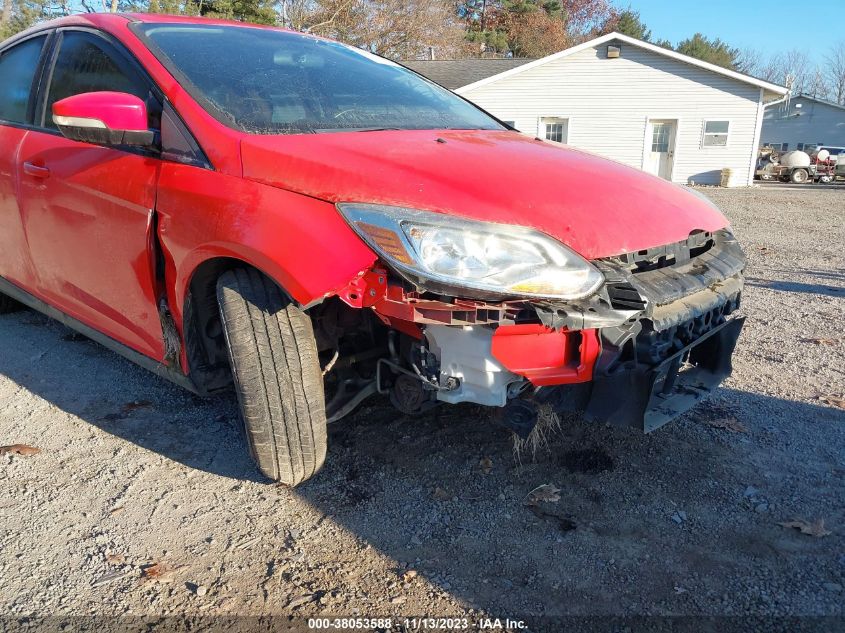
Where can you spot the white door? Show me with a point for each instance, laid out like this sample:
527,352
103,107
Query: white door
660,147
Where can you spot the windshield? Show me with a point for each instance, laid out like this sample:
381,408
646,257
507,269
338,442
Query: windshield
276,82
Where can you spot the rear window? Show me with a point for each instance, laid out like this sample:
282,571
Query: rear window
17,71
276,82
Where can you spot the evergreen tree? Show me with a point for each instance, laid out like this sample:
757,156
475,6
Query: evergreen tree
714,51
629,23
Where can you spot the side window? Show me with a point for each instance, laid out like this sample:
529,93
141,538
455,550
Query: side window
87,63
17,70
555,129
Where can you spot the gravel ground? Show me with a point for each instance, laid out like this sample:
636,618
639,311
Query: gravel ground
427,516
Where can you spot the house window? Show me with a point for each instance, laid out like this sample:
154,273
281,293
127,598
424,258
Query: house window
660,134
555,129
715,134
800,146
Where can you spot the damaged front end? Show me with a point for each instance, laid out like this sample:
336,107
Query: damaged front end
640,348
675,345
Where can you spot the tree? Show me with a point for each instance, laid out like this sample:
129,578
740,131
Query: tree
5,17
491,41
401,29
793,69
532,28
535,34
584,18
628,23
18,15
835,71
749,61
816,84
714,51
254,11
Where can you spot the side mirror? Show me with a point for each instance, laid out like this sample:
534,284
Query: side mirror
104,118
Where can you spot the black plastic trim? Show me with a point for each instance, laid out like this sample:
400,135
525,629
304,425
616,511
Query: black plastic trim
648,397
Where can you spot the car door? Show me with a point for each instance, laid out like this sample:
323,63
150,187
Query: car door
19,65
88,210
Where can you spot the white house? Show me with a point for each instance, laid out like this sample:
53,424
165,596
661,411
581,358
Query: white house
804,120
672,115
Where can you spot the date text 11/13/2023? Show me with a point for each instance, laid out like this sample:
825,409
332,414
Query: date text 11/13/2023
416,624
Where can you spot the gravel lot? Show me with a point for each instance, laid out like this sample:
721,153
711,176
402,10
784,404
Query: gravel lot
427,516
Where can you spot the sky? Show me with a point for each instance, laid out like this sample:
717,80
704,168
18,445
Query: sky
767,26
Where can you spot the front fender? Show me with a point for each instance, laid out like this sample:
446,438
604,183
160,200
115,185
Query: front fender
301,243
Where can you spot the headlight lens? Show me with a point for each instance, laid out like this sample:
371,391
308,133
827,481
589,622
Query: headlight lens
494,259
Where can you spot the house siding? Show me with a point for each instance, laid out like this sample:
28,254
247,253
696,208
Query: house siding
608,103
817,123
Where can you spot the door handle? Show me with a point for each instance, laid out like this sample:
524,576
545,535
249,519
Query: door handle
34,170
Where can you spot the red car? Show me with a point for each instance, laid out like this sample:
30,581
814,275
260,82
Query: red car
224,203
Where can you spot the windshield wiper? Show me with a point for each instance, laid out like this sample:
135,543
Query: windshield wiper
326,130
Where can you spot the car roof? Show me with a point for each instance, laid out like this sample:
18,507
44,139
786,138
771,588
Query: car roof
191,19
106,20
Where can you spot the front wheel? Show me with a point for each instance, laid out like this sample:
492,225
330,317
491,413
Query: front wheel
277,376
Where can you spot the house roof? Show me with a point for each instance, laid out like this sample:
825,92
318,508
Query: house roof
490,78
832,104
454,73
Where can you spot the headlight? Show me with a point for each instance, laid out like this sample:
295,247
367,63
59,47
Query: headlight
491,259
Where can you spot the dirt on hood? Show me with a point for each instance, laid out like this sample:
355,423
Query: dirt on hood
596,206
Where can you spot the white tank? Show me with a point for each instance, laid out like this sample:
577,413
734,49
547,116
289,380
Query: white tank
795,158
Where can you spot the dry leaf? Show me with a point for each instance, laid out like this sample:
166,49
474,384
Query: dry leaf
137,404
298,602
159,572
839,403
20,449
116,510
729,424
115,559
440,495
111,577
409,575
486,465
816,528
547,493
823,341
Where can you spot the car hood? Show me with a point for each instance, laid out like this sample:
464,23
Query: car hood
595,206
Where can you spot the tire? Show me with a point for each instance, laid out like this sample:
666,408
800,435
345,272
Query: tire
799,176
277,375
7,305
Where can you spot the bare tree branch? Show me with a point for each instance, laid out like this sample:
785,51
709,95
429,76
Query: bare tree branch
835,71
